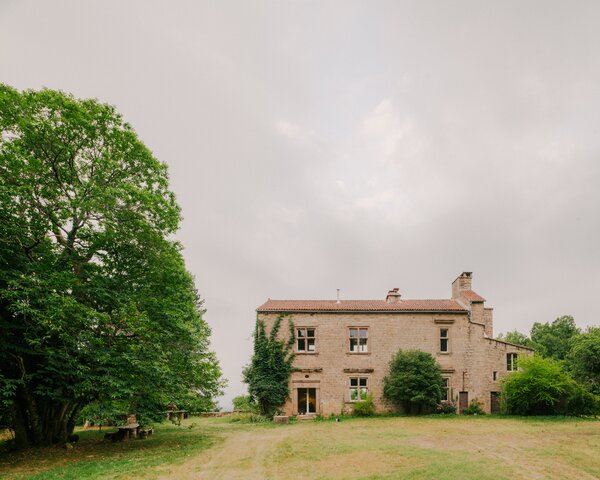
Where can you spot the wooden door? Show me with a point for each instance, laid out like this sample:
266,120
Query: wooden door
495,402
463,401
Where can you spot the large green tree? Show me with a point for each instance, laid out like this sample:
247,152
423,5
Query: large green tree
95,300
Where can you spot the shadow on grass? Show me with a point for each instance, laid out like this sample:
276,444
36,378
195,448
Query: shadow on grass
93,457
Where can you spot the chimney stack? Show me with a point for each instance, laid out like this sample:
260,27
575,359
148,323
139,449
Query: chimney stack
393,295
462,283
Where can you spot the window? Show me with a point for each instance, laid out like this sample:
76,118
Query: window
444,340
511,362
306,340
358,340
359,388
447,395
494,376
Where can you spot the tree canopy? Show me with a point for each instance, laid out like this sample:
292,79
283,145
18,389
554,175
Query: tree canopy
554,339
414,382
583,359
95,300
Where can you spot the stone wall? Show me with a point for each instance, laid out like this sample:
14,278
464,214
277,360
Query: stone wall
469,364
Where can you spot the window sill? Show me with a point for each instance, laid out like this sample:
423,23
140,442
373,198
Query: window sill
306,353
444,353
358,353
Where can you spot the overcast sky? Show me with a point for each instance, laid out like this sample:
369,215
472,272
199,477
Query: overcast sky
352,145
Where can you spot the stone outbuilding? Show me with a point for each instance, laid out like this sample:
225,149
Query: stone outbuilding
343,347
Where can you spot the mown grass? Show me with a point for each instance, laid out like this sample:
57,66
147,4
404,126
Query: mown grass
393,447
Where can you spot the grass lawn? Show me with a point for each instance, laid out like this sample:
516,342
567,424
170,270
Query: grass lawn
378,448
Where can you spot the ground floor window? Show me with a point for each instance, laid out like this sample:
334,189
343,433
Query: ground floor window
446,393
307,400
359,388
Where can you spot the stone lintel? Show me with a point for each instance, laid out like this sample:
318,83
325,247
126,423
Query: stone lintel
358,370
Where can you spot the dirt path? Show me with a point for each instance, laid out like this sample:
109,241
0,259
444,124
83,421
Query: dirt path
242,455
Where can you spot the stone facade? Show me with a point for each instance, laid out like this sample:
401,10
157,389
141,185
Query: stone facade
327,370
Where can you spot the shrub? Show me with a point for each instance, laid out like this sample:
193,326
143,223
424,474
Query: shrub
446,407
542,387
364,408
245,403
248,418
415,382
474,408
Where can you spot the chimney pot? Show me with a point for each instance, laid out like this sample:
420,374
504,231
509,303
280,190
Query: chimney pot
393,295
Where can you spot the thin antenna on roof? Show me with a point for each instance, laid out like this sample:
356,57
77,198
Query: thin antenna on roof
338,295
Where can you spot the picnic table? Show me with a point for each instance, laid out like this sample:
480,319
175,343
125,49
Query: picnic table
129,431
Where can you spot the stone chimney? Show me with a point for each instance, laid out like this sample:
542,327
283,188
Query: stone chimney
393,295
462,283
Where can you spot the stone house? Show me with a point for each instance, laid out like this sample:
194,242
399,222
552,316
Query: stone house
343,347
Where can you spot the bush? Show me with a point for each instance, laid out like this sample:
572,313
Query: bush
415,382
474,408
542,387
245,403
364,408
248,418
446,407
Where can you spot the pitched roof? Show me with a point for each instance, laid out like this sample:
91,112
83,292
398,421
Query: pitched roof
359,306
472,296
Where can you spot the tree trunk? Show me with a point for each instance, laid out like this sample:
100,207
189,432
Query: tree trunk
41,422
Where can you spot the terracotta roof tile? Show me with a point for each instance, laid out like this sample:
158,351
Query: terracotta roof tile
472,296
359,306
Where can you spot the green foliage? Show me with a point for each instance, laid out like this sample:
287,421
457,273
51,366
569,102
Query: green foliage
270,368
247,417
414,383
542,387
584,359
245,403
95,300
364,408
554,340
475,408
516,338
446,407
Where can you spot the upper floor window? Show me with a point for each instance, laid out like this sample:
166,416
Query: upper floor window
306,340
359,388
444,340
359,337
511,362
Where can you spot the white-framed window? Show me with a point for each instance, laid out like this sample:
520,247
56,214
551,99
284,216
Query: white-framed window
306,340
447,396
359,388
444,340
359,337
511,362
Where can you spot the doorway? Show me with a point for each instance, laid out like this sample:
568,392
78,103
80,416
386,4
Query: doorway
463,401
495,402
307,401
